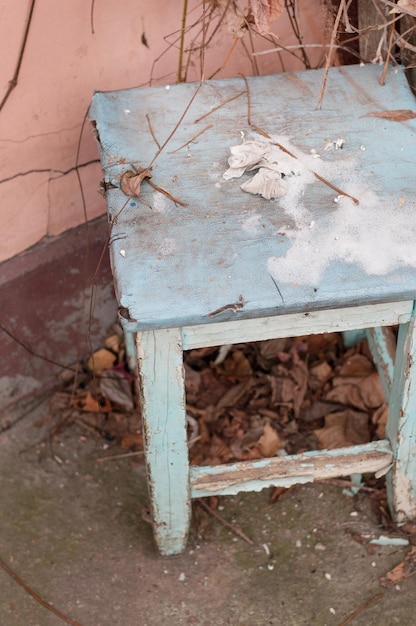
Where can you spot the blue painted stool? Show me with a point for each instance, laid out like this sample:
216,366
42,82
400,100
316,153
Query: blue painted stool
213,264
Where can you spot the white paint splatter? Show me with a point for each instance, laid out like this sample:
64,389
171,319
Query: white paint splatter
251,224
375,235
167,247
160,202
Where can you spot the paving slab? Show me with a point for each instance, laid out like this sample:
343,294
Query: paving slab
76,530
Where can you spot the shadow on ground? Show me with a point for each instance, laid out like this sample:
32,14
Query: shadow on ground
75,531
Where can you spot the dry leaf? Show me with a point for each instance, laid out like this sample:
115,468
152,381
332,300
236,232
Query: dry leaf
343,429
234,17
264,12
113,343
379,420
405,6
91,405
116,386
399,115
101,360
233,395
403,570
269,442
131,181
236,366
192,384
132,440
319,374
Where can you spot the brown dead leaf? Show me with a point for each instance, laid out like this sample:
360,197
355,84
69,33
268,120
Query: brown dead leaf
356,366
269,349
90,404
398,115
371,391
279,493
131,181
403,570
405,6
235,393
343,429
234,17
219,452
116,387
192,384
319,409
264,12
113,343
132,440
269,443
379,420
101,360
358,384
319,374
283,390
236,366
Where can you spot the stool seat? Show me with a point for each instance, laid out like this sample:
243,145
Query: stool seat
198,261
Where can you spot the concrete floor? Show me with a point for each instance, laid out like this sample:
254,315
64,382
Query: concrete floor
75,531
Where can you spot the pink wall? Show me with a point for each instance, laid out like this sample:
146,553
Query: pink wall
64,63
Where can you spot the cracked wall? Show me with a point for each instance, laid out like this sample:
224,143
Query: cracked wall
63,63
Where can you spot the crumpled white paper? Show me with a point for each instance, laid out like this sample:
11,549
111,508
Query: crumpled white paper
272,163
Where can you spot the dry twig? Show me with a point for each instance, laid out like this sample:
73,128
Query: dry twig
34,595
361,608
318,176
191,139
13,81
331,49
235,529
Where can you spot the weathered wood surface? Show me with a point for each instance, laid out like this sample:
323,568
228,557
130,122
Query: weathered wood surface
382,343
176,265
164,429
401,427
296,324
290,470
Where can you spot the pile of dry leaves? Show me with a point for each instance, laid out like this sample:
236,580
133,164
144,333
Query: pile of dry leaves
246,401
282,396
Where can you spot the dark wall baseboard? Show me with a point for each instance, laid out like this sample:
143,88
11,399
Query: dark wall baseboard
45,297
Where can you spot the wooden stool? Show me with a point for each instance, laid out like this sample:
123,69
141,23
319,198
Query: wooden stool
213,264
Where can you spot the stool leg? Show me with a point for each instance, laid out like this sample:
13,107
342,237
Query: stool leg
401,427
162,389
130,347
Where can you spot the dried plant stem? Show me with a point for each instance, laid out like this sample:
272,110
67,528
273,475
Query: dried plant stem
318,176
330,51
248,102
182,41
13,81
124,455
178,123
386,63
235,529
192,139
92,16
34,595
165,193
227,57
361,608
30,350
149,124
238,95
